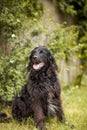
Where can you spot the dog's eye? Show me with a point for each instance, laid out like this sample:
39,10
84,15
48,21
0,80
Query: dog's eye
41,51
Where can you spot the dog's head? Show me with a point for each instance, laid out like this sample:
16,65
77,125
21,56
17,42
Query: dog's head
41,58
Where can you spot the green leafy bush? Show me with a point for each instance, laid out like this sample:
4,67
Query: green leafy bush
78,9
13,13
33,8
63,44
83,52
13,72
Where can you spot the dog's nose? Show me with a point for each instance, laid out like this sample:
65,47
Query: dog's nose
35,57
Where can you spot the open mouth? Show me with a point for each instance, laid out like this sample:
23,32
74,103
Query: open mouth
38,66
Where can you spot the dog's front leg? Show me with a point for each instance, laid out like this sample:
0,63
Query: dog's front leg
40,124
39,116
60,113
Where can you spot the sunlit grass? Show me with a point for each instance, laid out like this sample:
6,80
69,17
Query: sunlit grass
75,108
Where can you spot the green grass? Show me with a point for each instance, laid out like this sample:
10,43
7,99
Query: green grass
75,108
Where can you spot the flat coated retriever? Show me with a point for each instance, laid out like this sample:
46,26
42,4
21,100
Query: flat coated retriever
41,96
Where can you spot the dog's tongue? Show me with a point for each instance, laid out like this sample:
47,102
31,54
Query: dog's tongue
38,66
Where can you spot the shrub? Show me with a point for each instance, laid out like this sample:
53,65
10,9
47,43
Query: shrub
63,44
13,71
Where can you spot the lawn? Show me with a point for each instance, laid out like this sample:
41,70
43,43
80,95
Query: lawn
75,108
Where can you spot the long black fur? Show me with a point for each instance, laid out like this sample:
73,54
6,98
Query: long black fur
41,96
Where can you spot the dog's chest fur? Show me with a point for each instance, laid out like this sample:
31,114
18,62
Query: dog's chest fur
43,88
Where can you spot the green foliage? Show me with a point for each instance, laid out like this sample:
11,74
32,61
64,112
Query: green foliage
9,16
13,12
72,7
83,52
66,46
9,22
64,42
13,71
33,8
75,8
65,7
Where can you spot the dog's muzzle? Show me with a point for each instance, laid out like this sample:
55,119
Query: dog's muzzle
38,66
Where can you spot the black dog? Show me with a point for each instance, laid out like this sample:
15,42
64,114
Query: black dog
40,96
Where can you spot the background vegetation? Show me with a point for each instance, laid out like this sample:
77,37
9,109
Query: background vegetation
68,43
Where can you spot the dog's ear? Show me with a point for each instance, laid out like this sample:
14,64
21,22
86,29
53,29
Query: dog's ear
53,62
30,59
29,64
